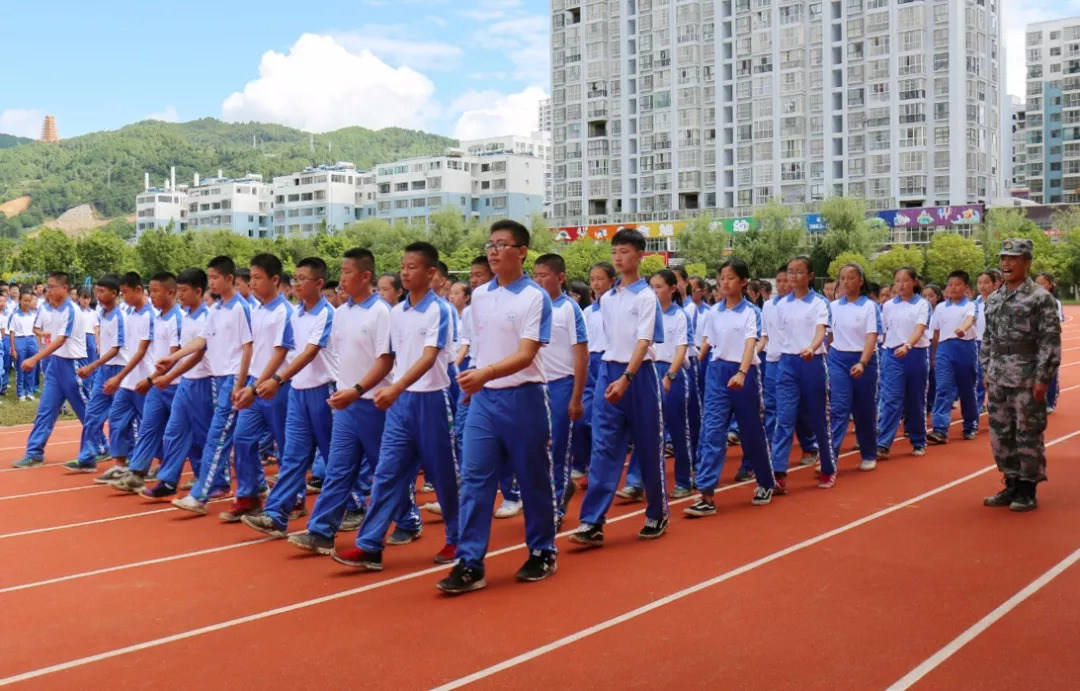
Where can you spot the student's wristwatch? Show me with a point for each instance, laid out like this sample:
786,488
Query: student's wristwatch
359,389
671,375
277,378
629,375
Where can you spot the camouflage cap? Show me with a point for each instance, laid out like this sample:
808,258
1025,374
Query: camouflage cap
1017,247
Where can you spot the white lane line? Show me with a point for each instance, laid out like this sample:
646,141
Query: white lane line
12,429
952,647
259,616
22,447
63,489
96,521
703,585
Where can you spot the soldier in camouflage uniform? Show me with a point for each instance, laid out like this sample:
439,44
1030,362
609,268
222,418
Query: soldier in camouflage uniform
1021,351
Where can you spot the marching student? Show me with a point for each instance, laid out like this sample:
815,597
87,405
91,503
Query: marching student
273,340
631,407
418,428
906,364
193,403
956,356
309,424
601,279
935,296
507,382
127,404
1047,282
243,287
361,337
693,409
985,285
390,289
158,401
565,363
673,370
227,341
24,345
91,320
803,381
101,370
67,352
732,389
853,365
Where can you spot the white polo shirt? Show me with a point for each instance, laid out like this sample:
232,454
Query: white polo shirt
900,317
631,314
799,318
594,327
698,321
980,318
138,327
194,326
413,328
90,319
567,330
728,329
359,336
228,329
271,327
770,327
676,325
949,316
167,327
501,317
64,321
21,323
313,327
464,338
112,334
852,321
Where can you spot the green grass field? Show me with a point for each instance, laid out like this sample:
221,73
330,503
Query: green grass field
14,412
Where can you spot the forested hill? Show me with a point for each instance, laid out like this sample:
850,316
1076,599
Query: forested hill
106,168
9,140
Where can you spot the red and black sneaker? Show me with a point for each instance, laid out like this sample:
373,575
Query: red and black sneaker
781,483
241,506
358,558
446,555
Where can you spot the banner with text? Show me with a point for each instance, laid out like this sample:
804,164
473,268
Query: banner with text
968,214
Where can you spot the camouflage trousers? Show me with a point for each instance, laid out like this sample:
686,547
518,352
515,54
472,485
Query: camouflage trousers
1017,424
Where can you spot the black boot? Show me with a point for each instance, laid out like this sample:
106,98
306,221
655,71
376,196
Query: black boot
1025,497
1005,496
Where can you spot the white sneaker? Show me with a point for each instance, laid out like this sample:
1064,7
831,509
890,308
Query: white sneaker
508,509
190,503
432,507
868,465
111,475
576,475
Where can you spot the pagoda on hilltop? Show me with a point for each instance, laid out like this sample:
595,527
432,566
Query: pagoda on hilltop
48,130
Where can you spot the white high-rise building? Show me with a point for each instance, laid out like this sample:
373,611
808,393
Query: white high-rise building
318,195
1016,149
1051,165
242,205
545,115
158,207
661,108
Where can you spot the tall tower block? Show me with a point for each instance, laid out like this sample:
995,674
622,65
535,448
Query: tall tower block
48,130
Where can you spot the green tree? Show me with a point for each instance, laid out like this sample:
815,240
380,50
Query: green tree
162,250
541,238
951,252
696,269
581,254
8,252
331,248
49,250
100,252
848,258
777,237
885,264
849,228
651,264
121,228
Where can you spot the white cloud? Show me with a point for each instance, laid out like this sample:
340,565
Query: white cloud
492,113
525,42
488,10
1015,16
21,122
392,43
167,115
320,86
436,20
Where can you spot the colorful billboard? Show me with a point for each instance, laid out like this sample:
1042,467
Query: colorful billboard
651,229
968,214
815,223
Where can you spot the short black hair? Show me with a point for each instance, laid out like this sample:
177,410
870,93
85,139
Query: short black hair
629,236
680,271
425,250
395,280
465,287
269,263
109,281
520,233
286,278
131,280
330,285
164,277
244,274
317,266
364,259
223,264
444,270
962,275
196,278
553,261
84,292
61,276
482,260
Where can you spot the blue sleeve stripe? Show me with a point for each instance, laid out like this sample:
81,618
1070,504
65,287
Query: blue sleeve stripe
444,324
150,331
247,312
545,317
70,321
288,338
325,338
179,319
580,332
119,319
757,320
658,325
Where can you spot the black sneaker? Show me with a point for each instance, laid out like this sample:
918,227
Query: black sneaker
314,485
743,475
1024,499
311,542
351,521
462,579
653,528
1005,496
762,496
700,509
538,566
161,490
400,536
936,438
588,535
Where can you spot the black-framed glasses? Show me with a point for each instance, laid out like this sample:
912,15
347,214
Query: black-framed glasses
498,246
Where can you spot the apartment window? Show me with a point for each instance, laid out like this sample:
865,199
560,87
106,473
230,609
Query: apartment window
941,111
878,45
879,164
912,136
910,64
941,13
912,161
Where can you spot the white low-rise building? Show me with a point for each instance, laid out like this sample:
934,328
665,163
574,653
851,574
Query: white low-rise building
242,205
160,207
317,198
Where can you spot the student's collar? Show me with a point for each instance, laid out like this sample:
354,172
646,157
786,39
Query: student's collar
635,287
914,299
557,302
142,310
111,313
808,298
722,306
776,298
198,311
366,304
421,306
860,301
595,306
231,302
515,286
961,302
169,313
272,305
322,304
672,309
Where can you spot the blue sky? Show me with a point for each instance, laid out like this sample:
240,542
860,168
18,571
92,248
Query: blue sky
464,67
